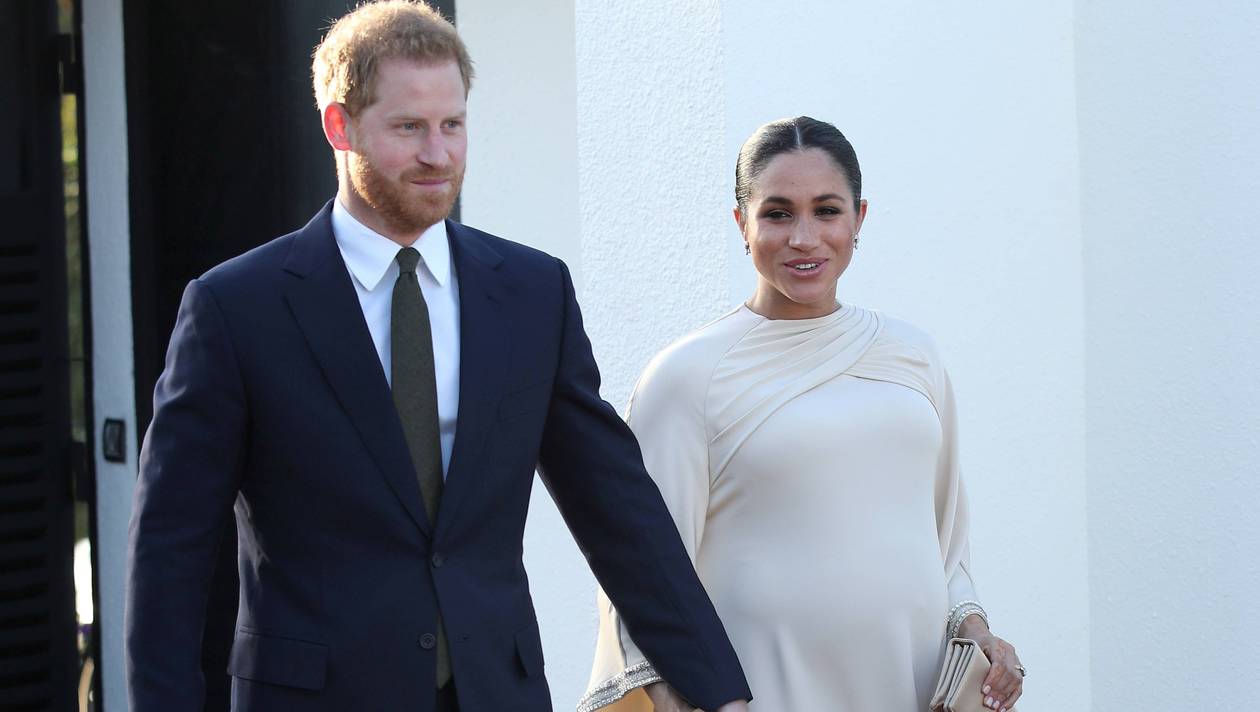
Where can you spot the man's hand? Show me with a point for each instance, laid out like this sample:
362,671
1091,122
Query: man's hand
665,699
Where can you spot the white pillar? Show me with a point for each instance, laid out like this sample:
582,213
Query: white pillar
113,394
1170,165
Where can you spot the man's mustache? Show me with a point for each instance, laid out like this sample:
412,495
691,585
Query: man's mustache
424,175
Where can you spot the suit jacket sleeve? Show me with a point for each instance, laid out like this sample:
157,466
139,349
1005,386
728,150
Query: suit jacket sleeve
667,415
592,466
190,471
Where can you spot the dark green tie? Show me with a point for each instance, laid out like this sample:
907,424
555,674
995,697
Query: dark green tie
414,387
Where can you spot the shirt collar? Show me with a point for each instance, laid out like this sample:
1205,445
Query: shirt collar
369,254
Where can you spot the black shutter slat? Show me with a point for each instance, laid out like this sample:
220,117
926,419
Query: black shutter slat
19,556
19,586
22,358
15,322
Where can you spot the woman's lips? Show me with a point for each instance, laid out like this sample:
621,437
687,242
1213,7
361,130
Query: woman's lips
805,268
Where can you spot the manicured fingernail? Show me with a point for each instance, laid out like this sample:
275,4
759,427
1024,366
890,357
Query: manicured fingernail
988,702
986,689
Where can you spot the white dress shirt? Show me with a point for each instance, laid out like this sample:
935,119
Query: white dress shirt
371,259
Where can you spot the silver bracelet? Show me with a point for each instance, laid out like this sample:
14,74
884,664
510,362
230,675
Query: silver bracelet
959,613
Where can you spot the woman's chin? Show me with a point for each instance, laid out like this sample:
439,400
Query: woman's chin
812,299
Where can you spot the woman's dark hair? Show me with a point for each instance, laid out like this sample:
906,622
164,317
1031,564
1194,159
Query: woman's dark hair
785,136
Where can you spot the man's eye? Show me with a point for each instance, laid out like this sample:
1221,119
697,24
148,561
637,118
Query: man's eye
453,124
409,126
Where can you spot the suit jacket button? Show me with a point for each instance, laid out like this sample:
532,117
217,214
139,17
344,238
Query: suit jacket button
428,641
437,560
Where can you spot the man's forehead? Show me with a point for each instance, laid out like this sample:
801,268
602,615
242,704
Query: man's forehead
411,87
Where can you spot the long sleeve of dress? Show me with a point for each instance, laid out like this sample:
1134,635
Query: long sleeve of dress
953,519
666,413
907,356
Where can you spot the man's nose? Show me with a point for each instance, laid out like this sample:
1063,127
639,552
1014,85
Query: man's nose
434,151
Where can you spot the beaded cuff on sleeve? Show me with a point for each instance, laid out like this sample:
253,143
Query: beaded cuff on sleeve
614,688
959,613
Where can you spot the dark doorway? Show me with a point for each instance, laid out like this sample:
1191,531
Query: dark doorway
226,153
38,651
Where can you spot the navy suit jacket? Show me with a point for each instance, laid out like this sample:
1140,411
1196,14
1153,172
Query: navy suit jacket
273,402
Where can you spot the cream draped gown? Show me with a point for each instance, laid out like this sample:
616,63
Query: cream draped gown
811,468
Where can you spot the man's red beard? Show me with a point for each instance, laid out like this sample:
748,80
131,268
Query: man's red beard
403,211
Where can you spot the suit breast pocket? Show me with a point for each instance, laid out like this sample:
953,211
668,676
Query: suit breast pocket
531,399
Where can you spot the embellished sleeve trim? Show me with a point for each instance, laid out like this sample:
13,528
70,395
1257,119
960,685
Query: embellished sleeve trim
619,686
959,612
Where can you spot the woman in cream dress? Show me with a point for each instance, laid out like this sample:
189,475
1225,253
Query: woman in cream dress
808,452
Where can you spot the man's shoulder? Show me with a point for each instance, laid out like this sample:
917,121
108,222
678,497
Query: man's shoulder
255,267
514,254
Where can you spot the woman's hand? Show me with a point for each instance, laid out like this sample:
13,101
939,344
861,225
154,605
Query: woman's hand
1004,683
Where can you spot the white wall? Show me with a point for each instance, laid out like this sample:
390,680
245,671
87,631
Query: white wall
1170,168
965,121
113,394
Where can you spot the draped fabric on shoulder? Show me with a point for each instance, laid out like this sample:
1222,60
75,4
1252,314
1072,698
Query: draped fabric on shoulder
709,408
773,364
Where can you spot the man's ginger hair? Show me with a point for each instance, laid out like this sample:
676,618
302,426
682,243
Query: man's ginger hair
347,60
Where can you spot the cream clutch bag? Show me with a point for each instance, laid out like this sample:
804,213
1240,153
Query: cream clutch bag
962,676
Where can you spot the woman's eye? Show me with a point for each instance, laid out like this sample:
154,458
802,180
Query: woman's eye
778,215
828,212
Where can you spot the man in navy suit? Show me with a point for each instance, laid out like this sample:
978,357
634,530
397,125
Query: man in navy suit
372,395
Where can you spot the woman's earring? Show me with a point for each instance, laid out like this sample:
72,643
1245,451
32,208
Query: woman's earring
855,240
747,249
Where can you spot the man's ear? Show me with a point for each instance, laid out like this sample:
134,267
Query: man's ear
337,127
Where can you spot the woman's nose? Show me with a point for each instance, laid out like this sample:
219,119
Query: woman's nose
803,236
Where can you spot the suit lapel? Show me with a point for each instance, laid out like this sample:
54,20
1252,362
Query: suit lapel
326,307
484,353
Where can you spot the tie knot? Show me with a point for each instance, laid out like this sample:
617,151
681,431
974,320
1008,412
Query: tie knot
408,258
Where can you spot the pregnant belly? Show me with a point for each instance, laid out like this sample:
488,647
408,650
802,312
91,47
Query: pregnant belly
822,592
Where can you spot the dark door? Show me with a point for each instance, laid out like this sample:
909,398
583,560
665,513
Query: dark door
38,651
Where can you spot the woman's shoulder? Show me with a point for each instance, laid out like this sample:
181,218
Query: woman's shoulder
899,335
689,361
